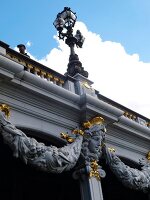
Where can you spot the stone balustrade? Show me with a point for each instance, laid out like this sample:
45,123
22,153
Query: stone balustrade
32,66
38,69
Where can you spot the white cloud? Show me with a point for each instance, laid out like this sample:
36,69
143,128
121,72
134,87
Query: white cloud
57,58
28,44
116,74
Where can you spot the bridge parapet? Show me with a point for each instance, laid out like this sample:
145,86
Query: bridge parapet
46,102
32,66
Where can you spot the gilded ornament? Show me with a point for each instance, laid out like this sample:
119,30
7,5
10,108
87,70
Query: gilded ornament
56,79
93,121
6,109
42,73
85,84
111,149
148,156
67,137
97,120
94,171
87,124
61,81
36,70
129,115
76,131
49,75
148,124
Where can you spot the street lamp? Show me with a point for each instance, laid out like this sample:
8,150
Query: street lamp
64,24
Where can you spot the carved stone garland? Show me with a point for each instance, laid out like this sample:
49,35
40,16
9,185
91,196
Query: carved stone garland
130,177
46,158
89,143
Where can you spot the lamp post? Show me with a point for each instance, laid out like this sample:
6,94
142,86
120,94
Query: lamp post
64,24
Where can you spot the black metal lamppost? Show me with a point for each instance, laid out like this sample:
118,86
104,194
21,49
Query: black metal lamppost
64,24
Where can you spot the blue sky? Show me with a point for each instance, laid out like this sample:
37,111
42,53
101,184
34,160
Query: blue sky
123,21
116,52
